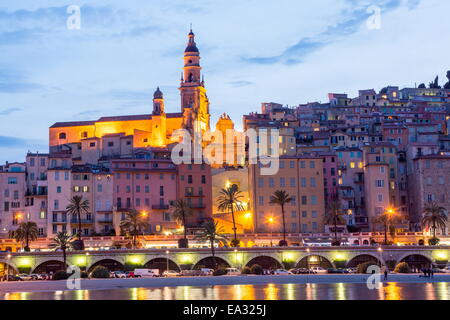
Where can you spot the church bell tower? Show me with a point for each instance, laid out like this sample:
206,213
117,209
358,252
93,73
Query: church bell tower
194,101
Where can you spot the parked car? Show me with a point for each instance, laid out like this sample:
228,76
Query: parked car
352,270
339,270
171,273
207,271
191,273
119,274
319,270
35,276
281,272
131,274
11,277
233,272
147,272
25,277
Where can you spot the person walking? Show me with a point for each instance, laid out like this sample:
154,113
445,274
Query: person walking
385,274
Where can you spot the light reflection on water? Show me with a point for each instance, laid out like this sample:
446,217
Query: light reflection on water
335,291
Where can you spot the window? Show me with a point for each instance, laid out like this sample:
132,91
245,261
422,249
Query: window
110,144
314,214
291,164
56,175
62,136
314,200
294,214
379,183
271,182
203,179
58,189
380,198
56,204
261,200
189,179
304,214
282,182
312,182
99,188
85,189
304,200
12,180
66,175
303,182
312,164
292,182
32,162
302,164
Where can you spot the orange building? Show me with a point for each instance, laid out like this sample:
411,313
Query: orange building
149,130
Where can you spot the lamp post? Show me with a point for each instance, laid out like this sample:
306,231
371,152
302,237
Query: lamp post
271,221
7,266
167,270
380,250
389,213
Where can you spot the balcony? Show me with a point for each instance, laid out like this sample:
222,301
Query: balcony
192,195
160,207
105,220
83,221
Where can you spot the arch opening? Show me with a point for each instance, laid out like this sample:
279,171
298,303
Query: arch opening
417,261
211,263
7,268
265,262
50,266
161,264
314,261
110,264
362,258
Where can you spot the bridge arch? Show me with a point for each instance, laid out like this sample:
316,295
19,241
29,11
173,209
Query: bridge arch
208,262
50,266
8,266
265,261
160,263
417,261
363,258
314,260
108,263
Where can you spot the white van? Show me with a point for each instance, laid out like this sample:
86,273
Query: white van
233,272
146,273
207,271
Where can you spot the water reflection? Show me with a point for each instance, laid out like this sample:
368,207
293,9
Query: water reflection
335,291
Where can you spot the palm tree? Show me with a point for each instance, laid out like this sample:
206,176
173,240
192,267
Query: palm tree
180,211
212,233
62,242
334,217
134,223
26,232
281,197
76,207
385,219
229,201
434,217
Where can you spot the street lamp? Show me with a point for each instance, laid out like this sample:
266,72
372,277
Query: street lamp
388,216
380,250
271,221
167,254
7,266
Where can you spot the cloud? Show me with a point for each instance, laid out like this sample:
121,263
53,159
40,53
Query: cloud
353,18
13,81
9,111
14,142
238,84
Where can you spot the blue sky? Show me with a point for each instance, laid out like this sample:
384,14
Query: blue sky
252,51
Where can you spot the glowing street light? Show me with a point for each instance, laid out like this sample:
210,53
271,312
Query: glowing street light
271,221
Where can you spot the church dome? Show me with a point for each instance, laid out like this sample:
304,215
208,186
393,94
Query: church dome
158,94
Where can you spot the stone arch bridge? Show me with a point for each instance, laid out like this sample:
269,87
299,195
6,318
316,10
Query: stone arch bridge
40,262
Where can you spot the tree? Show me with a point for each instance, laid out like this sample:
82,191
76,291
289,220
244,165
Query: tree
334,216
134,223
62,242
76,207
25,233
281,198
385,219
212,233
229,201
447,85
434,217
180,211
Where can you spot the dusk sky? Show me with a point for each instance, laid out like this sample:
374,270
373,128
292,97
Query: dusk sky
252,51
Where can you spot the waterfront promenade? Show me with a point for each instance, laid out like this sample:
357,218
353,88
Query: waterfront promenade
112,284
